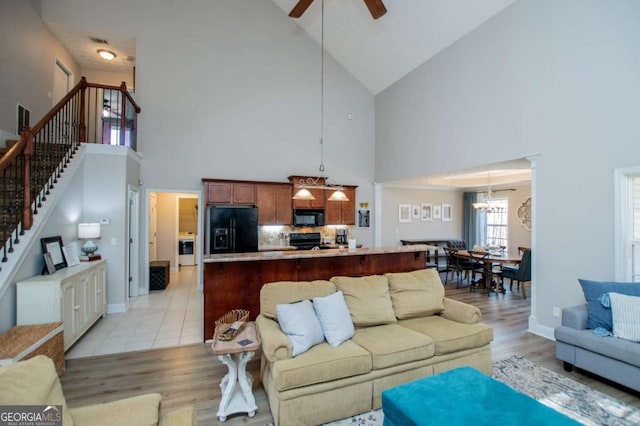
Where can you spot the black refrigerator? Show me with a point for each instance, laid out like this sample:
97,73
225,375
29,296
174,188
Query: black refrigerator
232,229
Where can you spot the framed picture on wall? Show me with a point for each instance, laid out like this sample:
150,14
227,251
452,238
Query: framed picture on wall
364,218
404,213
425,212
436,211
415,212
446,212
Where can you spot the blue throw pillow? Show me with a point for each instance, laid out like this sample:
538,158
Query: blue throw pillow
598,315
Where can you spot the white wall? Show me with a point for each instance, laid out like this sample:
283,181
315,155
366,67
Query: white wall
559,78
392,231
231,89
108,171
28,51
110,78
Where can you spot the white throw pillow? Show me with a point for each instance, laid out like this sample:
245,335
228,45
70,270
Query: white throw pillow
334,317
625,312
300,323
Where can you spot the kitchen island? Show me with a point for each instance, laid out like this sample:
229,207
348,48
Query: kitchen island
233,281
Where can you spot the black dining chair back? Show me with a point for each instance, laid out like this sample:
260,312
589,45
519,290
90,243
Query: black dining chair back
457,244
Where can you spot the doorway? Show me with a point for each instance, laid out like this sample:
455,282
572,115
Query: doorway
62,80
174,220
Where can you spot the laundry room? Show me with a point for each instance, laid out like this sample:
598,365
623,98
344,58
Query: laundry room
173,228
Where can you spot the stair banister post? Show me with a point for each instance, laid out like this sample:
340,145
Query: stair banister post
27,214
83,126
123,113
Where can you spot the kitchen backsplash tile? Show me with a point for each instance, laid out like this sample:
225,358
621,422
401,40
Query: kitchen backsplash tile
271,235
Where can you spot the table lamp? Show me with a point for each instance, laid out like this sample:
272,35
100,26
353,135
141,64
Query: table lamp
89,232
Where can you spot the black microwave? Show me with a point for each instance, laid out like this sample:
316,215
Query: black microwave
308,217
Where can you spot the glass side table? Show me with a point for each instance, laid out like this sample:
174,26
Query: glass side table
237,395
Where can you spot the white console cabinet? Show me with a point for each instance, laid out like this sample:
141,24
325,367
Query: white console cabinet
77,296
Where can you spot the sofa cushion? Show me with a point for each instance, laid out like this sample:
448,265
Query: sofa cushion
368,299
301,325
416,294
625,312
334,318
279,292
392,344
321,363
612,347
451,336
143,410
33,382
598,315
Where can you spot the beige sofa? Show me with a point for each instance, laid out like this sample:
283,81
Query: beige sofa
423,334
35,382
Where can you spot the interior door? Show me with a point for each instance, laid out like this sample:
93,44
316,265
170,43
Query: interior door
153,217
132,260
61,81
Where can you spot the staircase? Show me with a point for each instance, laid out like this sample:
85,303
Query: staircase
31,166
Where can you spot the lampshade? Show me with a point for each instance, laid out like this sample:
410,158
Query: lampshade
88,230
303,194
338,196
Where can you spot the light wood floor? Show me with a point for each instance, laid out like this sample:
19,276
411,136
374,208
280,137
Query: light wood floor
191,374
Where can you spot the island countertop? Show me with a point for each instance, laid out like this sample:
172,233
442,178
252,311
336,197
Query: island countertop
233,281
305,254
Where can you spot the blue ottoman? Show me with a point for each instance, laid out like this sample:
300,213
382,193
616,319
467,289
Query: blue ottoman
464,396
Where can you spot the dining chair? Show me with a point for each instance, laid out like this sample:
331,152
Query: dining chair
520,273
455,264
478,260
477,266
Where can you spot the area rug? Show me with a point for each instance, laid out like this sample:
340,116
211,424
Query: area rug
567,396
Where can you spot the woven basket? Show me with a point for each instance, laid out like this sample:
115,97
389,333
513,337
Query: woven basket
224,323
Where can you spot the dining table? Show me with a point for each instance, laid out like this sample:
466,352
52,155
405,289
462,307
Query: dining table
489,258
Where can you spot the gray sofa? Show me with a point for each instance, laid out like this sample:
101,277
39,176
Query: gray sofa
609,357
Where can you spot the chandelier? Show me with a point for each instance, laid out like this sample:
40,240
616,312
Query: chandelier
321,181
487,203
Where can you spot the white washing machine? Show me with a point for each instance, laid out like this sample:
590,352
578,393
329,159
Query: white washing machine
187,248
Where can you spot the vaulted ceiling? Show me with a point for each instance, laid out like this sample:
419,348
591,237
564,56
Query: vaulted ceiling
377,53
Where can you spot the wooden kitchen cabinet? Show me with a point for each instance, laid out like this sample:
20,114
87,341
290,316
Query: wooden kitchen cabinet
230,192
274,204
77,296
341,212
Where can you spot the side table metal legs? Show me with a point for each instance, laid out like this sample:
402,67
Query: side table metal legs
237,396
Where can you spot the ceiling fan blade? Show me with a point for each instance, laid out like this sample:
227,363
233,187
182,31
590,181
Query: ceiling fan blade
300,8
376,8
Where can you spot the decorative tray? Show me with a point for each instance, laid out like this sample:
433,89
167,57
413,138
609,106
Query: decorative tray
231,324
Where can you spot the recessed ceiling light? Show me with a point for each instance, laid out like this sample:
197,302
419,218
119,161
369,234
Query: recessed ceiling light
106,54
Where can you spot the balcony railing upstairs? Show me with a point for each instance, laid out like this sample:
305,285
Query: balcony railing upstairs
31,167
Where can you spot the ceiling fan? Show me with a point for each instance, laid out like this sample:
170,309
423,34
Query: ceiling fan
376,8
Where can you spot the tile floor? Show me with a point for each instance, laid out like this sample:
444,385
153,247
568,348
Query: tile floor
169,317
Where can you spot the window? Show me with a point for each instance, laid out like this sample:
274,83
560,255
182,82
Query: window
627,254
493,223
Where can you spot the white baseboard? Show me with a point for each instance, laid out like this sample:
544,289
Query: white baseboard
540,330
116,308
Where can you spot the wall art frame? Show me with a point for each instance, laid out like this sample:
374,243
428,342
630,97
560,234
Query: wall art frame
447,212
425,212
404,213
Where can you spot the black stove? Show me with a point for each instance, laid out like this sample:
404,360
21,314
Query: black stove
306,240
